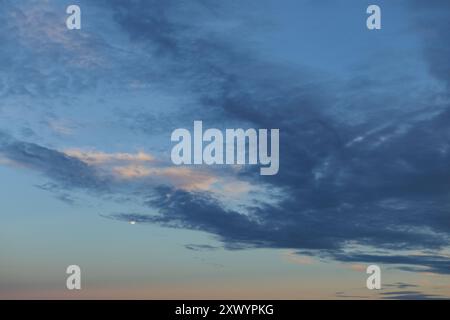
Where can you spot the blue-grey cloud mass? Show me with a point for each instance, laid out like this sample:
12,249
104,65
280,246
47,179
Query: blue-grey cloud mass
364,154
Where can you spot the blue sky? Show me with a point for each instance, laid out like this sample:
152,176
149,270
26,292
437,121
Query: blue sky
85,123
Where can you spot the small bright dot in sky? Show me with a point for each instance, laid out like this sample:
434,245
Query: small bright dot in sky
132,222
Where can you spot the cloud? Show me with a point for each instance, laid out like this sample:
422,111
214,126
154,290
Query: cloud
362,161
200,247
400,285
387,189
37,30
99,157
142,165
66,171
433,24
116,173
61,127
183,178
358,267
410,295
344,295
295,258
417,263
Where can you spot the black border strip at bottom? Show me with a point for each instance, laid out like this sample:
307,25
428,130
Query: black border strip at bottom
216,309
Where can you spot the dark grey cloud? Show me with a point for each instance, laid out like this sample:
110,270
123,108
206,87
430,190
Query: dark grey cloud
381,181
342,294
417,263
67,172
395,295
400,285
200,247
410,295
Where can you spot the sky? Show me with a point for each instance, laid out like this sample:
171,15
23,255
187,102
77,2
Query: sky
86,176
